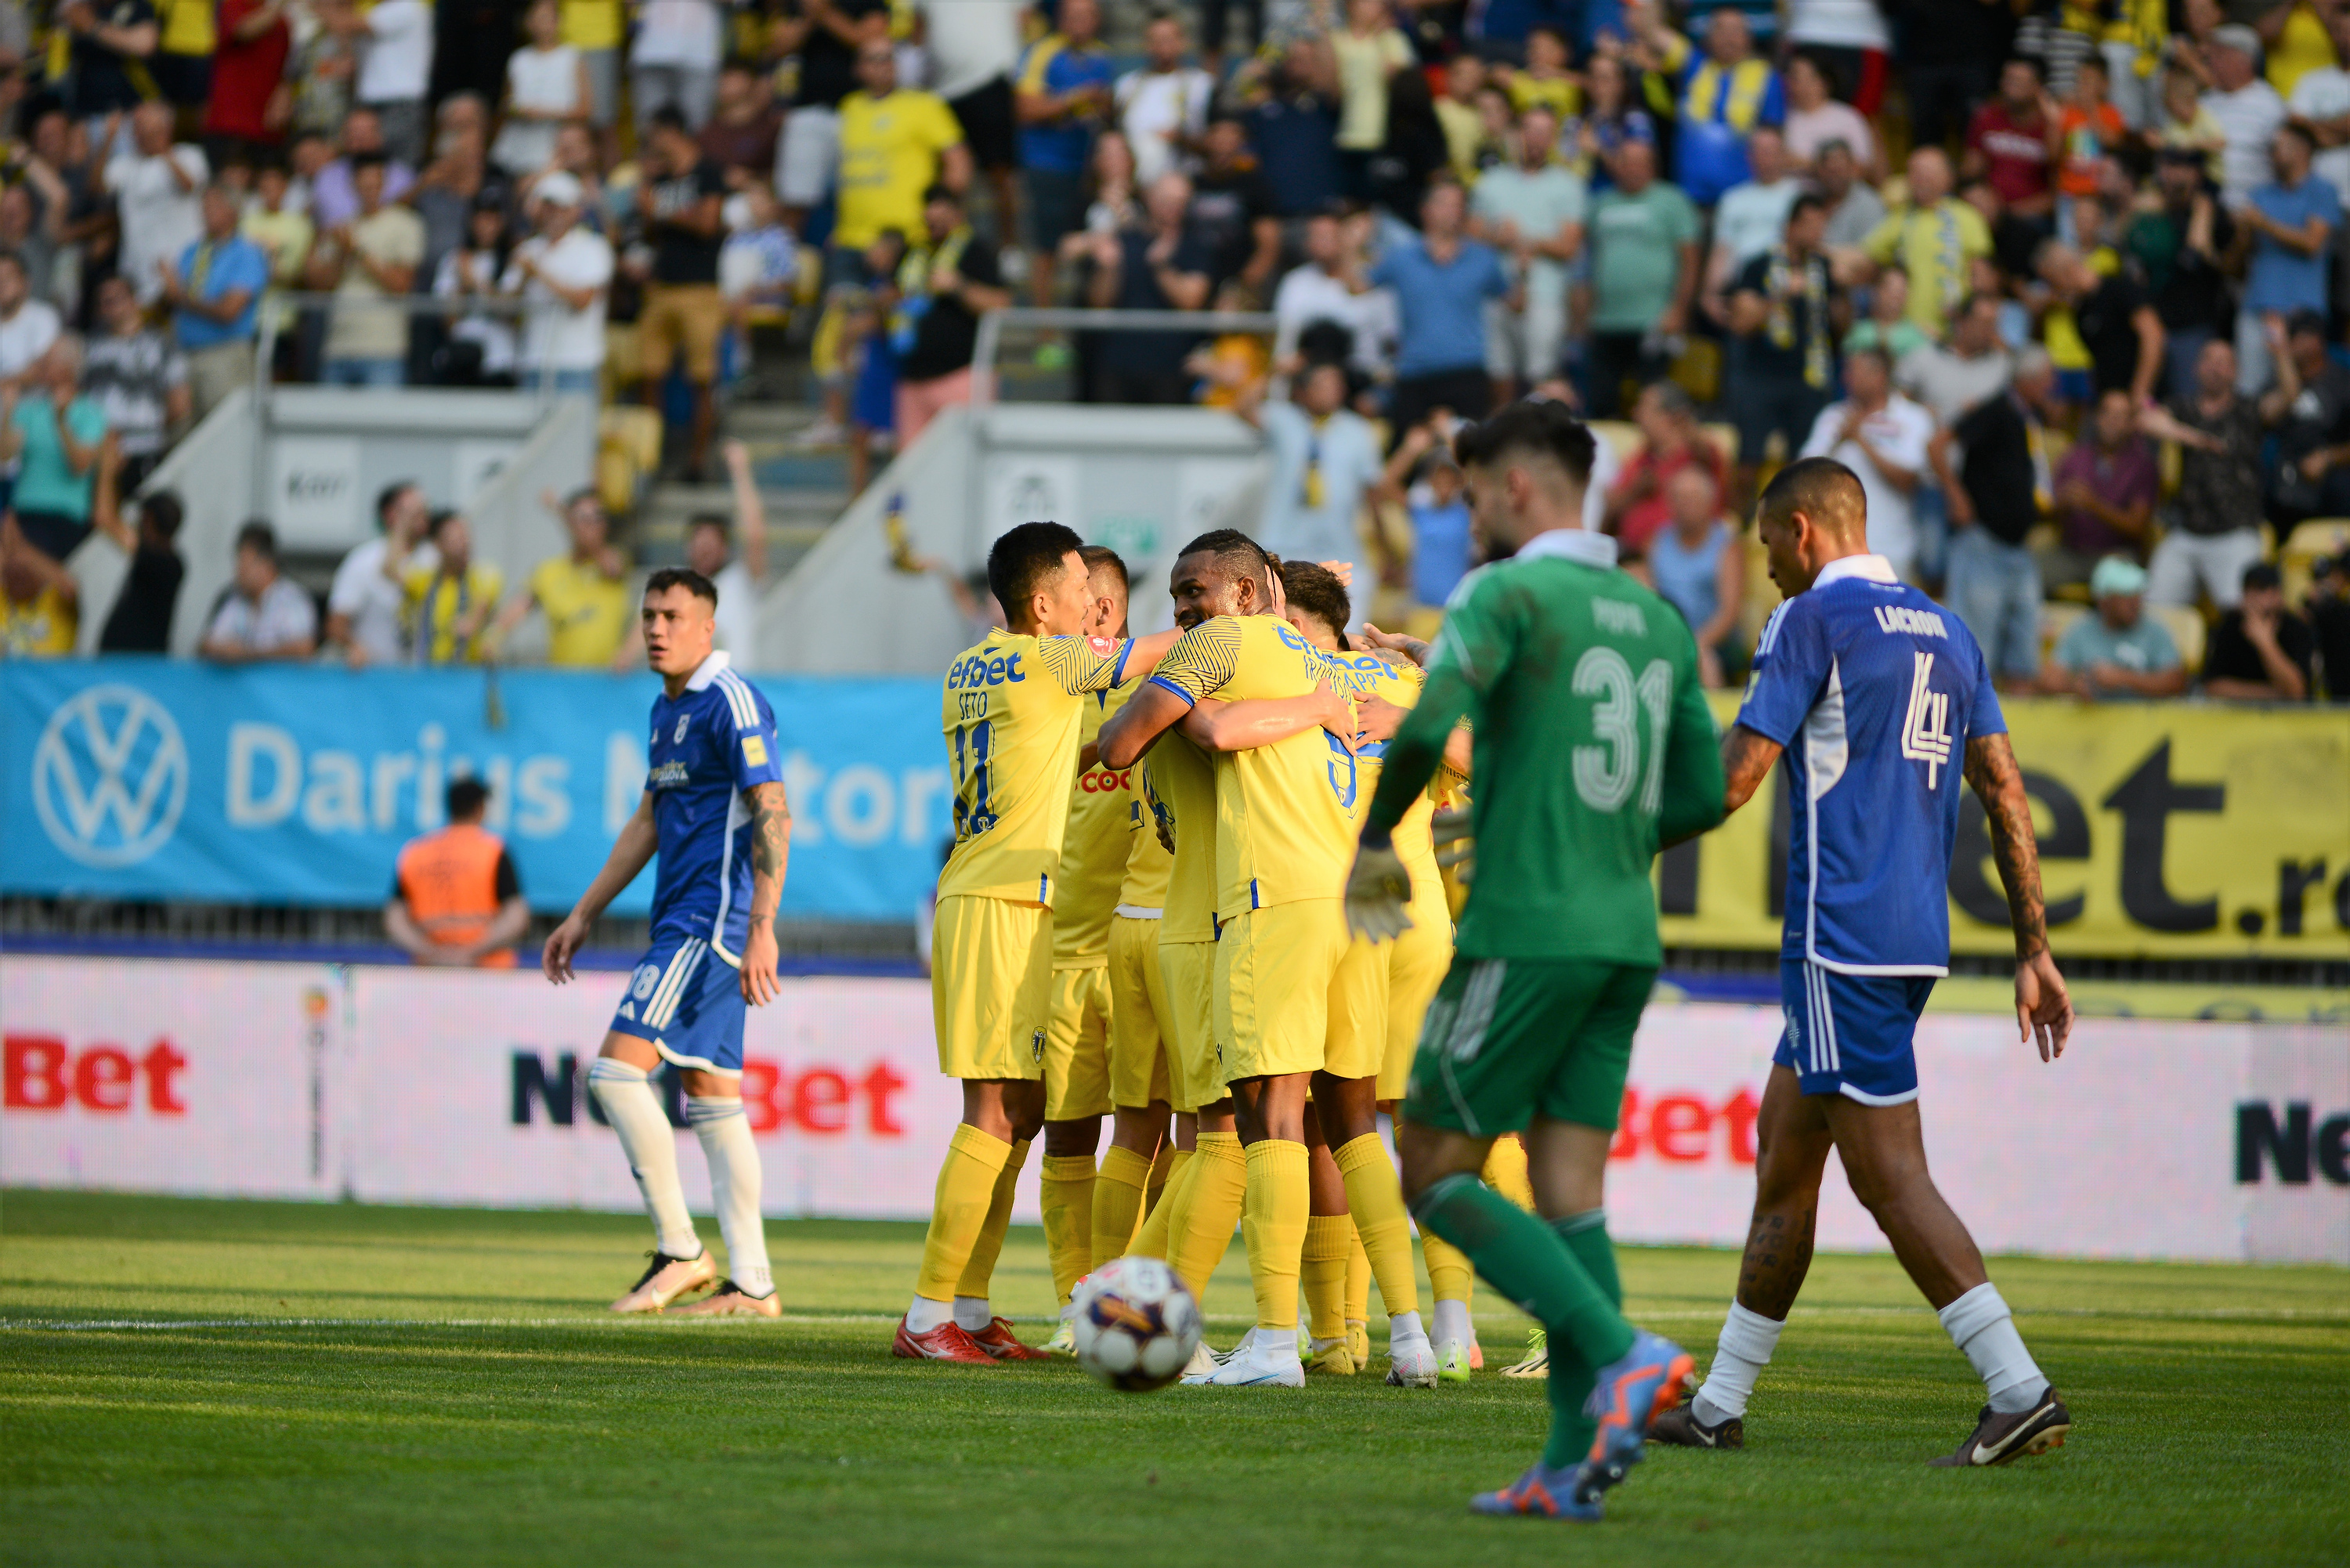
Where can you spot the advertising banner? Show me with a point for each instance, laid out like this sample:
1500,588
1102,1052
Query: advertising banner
2166,830
2151,1138
146,778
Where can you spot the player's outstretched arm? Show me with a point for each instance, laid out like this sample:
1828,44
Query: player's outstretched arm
1149,714
1263,721
2044,1008
1747,759
632,851
771,849
1144,656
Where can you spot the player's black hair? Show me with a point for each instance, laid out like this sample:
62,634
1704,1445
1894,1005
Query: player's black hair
385,498
1096,556
260,538
1237,554
684,578
1315,589
1541,428
464,798
1024,559
1822,489
162,510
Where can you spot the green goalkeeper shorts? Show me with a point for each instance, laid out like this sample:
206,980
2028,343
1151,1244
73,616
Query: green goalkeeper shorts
1508,1040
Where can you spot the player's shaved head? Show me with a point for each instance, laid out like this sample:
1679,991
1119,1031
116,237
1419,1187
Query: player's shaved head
1532,432
1527,468
1314,590
1104,564
1106,586
1822,489
1029,560
1221,573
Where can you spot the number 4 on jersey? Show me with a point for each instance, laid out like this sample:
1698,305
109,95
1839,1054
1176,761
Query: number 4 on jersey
1926,728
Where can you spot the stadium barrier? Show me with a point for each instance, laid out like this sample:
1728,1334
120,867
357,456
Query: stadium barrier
2174,830
2149,1140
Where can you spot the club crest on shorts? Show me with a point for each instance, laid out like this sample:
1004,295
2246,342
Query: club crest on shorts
1036,1047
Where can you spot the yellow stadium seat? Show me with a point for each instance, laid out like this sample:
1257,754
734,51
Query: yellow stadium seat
2186,629
2318,537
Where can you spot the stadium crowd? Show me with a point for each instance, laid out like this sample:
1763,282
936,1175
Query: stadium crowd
2060,281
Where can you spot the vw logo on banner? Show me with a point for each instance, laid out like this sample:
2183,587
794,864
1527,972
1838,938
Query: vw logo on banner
110,777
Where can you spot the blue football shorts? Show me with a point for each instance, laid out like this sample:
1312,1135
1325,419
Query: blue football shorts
688,1002
1852,1035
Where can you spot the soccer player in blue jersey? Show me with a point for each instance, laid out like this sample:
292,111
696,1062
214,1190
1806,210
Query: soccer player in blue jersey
714,808
1880,702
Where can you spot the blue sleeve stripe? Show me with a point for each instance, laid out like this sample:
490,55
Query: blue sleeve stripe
1125,650
1166,685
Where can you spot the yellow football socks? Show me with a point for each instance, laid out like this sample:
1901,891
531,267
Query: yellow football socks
1213,1198
980,1269
1162,1171
1329,1238
959,1213
1066,1197
1375,1197
1272,1228
1505,1172
1359,1276
1153,1239
1118,1201
1449,1277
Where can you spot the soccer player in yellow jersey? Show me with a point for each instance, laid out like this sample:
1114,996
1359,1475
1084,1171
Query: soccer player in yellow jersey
1012,708
1077,1026
1281,830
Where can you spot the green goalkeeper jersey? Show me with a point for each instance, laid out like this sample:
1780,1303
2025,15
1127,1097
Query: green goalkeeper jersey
1593,746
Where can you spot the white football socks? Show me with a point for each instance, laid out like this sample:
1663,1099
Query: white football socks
926,1314
1403,1328
1980,1326
725,1134
1748,1338
971,1313
650,1143
1453,1325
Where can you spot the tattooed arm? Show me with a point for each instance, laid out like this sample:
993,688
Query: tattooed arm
1747,759
771,848
2044,1010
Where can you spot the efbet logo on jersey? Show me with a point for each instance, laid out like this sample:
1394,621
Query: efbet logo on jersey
1926,728
1000,671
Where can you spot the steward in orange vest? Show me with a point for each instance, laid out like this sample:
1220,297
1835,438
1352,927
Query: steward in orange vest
456,902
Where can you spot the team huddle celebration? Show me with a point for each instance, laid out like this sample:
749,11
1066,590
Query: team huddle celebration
1196,889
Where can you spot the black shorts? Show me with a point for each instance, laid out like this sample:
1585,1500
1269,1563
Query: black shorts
1055,205
986,114
186,80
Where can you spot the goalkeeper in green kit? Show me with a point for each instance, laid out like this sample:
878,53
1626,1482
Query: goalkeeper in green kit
1593,748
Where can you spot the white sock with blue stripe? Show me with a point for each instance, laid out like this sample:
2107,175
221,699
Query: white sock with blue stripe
650,1143
1980,1326
725,1134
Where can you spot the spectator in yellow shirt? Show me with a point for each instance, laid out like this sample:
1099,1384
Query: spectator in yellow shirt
583,595
1935,239
40,612
450,602
895,144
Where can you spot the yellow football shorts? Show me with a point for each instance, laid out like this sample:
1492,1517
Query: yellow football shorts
1276,970
1193,1067
1141,1015
1416,964
991,986
1357,1040
1077,1046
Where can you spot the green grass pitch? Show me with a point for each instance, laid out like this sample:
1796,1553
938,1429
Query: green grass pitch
283,1382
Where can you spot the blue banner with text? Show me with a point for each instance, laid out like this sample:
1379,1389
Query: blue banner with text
147,778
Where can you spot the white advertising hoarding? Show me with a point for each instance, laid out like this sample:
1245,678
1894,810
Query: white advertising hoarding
2149,1140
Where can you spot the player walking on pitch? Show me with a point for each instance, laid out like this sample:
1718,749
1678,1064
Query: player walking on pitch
713,807
1593,747
1876,697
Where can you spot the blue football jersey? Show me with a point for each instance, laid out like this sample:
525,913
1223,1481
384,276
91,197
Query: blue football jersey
710,744
1875,690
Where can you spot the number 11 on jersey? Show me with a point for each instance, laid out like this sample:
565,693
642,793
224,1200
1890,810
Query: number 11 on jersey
971,745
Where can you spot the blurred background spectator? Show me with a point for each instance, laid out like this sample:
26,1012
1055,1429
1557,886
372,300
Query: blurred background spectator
262,616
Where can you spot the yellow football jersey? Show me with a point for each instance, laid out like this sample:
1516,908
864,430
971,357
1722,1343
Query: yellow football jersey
1285,827
1011,712
1369,675
1148,863
1094,847
1181,784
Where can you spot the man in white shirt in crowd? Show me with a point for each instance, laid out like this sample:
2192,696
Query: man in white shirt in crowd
1884,438
27,326
1532,212
1163,105
564,271
674,61
2320,105
2247,107
1329,287
364,606
264,616
158,189
395,67
375,256
1751,216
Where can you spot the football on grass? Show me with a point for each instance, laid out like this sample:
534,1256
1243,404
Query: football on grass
1136,1325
